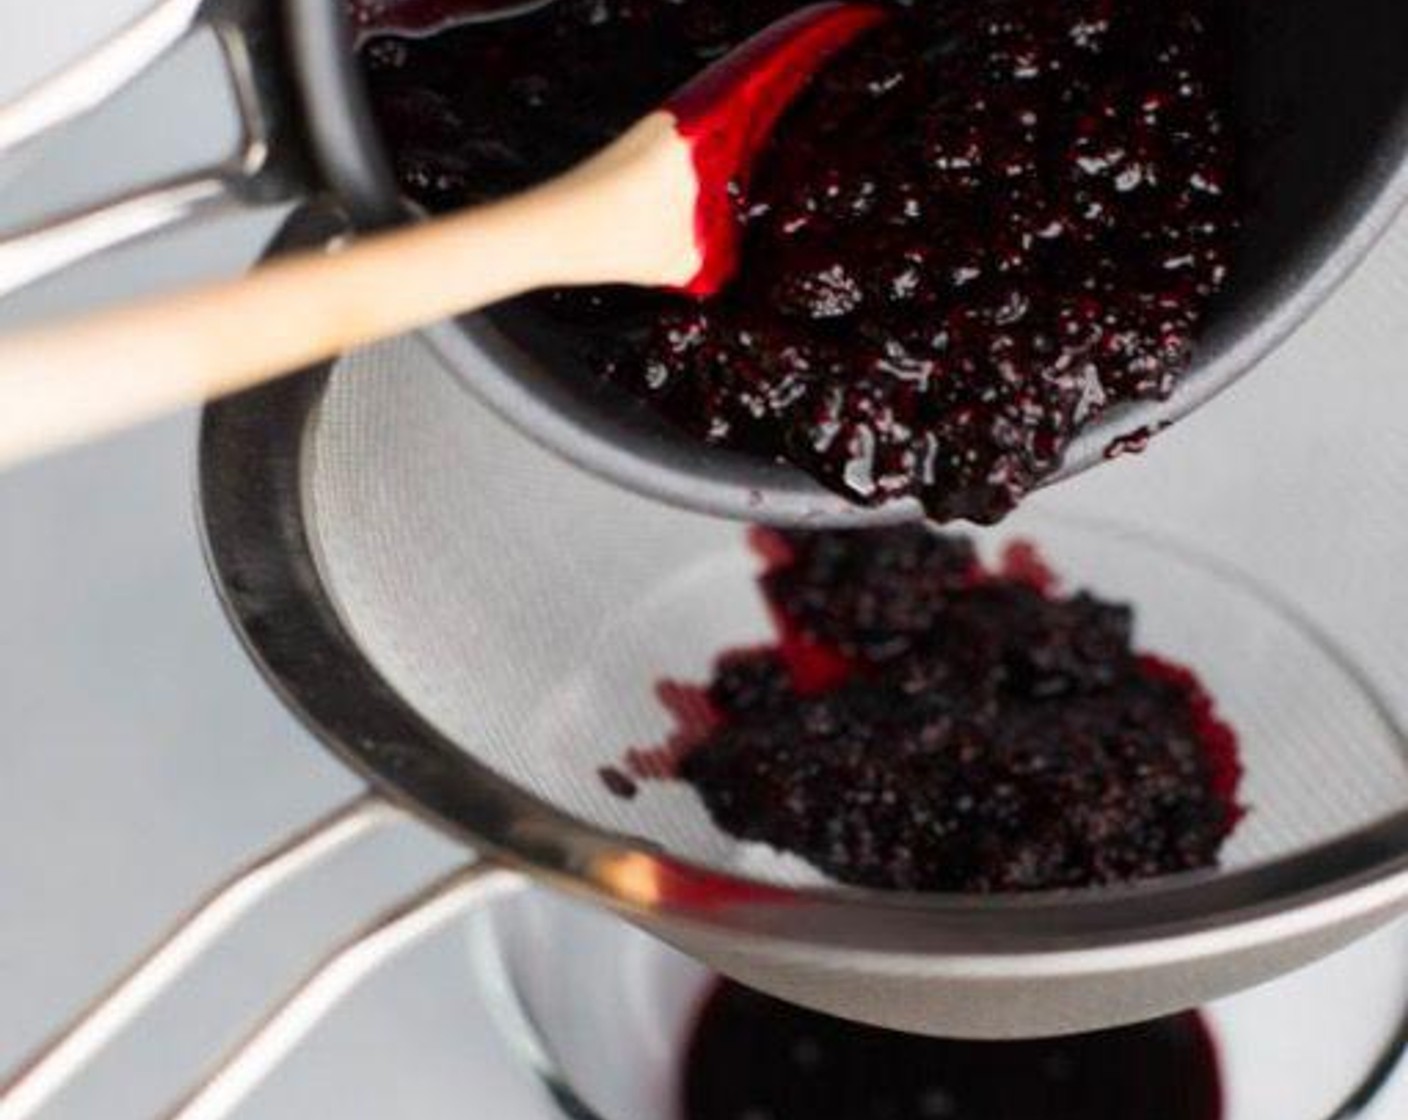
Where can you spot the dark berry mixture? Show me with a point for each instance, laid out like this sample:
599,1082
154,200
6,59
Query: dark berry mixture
925,724
411,17
985,225
753,1057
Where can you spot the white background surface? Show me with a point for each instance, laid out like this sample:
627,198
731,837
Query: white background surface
139,755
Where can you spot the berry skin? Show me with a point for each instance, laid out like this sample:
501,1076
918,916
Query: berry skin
986,735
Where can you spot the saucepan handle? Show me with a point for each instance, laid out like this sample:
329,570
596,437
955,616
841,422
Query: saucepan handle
268,165
230,1080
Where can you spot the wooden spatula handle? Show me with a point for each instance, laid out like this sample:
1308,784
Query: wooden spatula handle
626,216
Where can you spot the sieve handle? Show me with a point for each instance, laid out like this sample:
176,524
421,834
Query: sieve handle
56,1062
264,167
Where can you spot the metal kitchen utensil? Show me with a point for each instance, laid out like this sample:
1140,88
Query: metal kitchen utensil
476,629
1322,127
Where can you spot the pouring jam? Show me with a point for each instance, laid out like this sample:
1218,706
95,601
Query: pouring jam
983,226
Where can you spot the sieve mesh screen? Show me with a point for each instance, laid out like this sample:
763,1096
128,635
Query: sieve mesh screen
527,609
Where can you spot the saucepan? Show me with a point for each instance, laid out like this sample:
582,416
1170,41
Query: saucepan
1320,98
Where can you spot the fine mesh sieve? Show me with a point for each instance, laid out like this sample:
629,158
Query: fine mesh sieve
538,607
476,628
479,629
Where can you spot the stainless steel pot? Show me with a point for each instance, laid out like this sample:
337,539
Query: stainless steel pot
1322,128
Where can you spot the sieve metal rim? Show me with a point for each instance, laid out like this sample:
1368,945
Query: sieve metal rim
251,476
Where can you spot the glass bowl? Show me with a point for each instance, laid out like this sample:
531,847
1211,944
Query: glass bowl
602,1013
